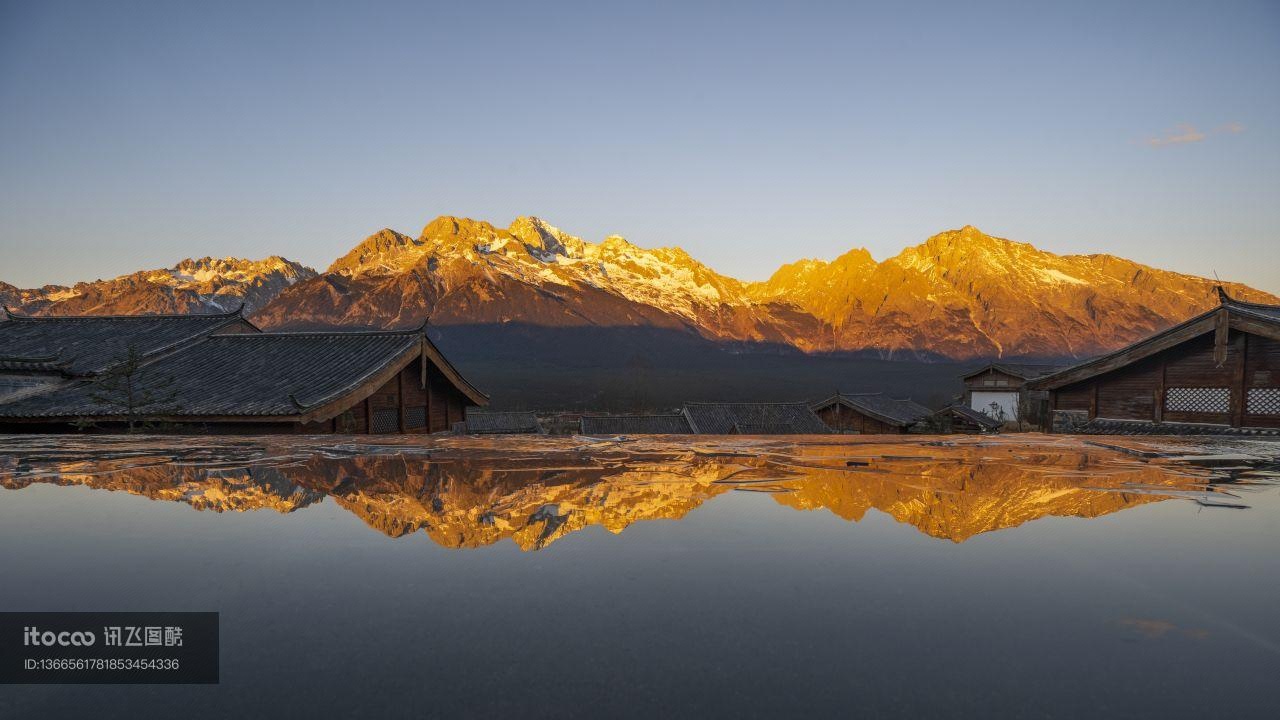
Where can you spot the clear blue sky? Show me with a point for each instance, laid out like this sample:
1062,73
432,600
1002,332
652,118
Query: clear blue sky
133,134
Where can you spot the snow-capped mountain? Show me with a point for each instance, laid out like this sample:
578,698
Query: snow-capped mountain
960,294
191,286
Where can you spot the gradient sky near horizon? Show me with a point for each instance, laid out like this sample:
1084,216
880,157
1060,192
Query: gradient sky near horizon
134,134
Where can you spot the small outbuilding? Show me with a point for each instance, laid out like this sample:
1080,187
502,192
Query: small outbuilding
869,413
1000,390
670,424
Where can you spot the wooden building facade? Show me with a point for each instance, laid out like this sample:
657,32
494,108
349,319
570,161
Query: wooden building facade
1220,368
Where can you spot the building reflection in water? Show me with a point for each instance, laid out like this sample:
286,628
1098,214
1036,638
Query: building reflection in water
467,492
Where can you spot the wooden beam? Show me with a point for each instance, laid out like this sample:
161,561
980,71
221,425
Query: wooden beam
422,361
368,416
400,398
1254,326
427,386
1093,400
1239,385
1157,411
1221,326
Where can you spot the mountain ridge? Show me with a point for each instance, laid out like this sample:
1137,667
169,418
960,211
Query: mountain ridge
961,294
192,285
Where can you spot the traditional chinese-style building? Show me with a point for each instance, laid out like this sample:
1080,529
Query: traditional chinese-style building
221,374
1217,372
869,413
1001,391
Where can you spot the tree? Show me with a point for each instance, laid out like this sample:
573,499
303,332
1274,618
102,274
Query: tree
131,389
996,411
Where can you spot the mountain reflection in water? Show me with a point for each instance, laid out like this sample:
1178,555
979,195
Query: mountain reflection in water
472,492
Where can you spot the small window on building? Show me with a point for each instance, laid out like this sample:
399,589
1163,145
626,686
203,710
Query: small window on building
415,417
1264,401
1197,399
386,420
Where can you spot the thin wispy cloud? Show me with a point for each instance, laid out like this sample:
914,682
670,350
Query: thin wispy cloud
1185,133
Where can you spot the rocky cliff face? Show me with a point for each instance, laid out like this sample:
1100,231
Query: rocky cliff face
467,271
192,286
961,294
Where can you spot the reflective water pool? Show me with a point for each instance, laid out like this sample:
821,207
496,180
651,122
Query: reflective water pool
1021,576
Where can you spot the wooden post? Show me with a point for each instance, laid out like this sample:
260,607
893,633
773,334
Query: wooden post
1157,411
426,385
1093,400
400,399
1239,388
368,415
1221,326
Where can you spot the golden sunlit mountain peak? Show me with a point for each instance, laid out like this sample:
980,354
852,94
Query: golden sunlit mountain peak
962,293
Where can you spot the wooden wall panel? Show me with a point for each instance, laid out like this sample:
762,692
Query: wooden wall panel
1073,397
1191,364
1262,370
413,399
1262,364
437,418
1129,393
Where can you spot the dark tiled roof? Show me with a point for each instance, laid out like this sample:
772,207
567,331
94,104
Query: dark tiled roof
753,419
502,422
880,406
1026,371
973,416
252,374
635,425
1268,312
90,344
1102,426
